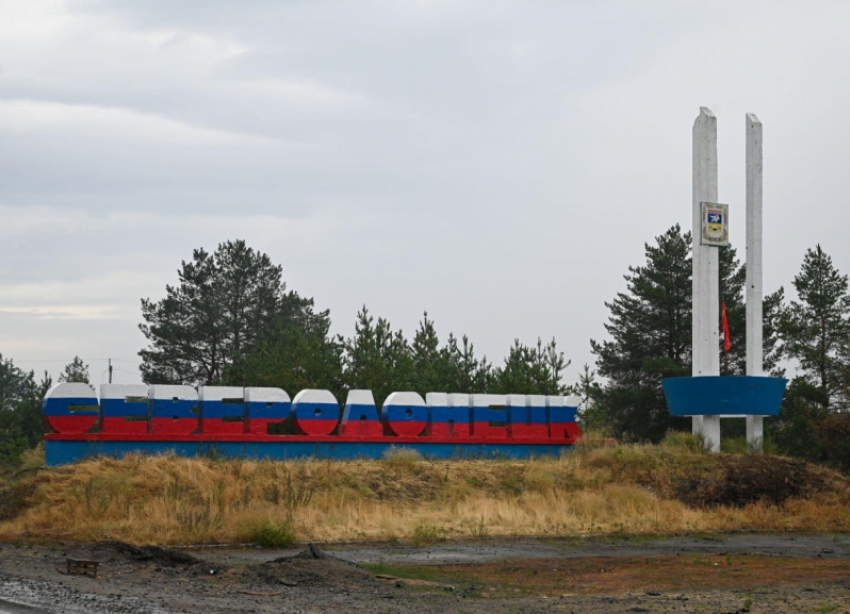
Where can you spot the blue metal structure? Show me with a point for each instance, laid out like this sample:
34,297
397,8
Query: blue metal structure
724,395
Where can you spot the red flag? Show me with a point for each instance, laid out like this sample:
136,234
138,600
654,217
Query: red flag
727,341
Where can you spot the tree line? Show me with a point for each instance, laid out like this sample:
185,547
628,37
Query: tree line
230,320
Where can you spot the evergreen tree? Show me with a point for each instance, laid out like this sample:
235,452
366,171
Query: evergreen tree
531,370
651,335
650,329
376,359
815,329
465,372
553,363
21,423
772,308
75,371
589,390
429,364
733,279
295,352
208,325
795,429
12,384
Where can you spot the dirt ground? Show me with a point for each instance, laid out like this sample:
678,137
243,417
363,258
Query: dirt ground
707,574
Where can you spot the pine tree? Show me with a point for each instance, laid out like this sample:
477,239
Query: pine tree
816,328
21,422
429,364
376,359
650,329
553,363
206,327
733,278
531,370
295,353
75,371
651,335
465,372
589,391
772,308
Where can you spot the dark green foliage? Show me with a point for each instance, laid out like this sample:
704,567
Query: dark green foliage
207,326
430,365
816,328
589,390
795,429
833,435
382,361
531,370
294,353
772,307
650,329
75,371
733,278
806,429
21,424
377,359
465,372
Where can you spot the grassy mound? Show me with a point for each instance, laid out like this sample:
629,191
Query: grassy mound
632,489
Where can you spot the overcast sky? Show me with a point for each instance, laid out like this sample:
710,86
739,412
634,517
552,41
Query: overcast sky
498,164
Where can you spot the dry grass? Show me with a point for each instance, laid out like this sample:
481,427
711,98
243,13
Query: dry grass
626,489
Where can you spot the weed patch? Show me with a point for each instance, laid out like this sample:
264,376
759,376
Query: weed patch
272,535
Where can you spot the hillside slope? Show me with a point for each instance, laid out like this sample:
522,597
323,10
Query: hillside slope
624,489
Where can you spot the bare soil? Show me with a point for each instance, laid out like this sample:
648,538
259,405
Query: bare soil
719,574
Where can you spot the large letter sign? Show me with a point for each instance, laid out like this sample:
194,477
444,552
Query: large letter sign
70,408
264,423
406,413
316,412
266,407
173,410
360,416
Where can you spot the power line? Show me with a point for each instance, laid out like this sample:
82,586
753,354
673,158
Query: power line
125,371
138,362
50,360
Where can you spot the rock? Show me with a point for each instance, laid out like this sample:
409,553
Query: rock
316,552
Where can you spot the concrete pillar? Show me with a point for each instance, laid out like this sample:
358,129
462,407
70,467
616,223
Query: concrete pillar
755,424
706,285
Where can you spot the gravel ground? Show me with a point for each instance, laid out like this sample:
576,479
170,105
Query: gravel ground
151,580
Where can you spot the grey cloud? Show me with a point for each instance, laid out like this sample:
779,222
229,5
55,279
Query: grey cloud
499,164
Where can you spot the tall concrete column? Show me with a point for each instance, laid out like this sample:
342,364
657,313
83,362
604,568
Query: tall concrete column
755,342
706,287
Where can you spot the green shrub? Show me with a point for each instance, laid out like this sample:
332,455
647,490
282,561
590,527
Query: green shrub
425,534
273,535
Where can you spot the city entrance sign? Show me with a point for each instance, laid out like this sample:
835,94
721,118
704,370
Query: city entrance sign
266,423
